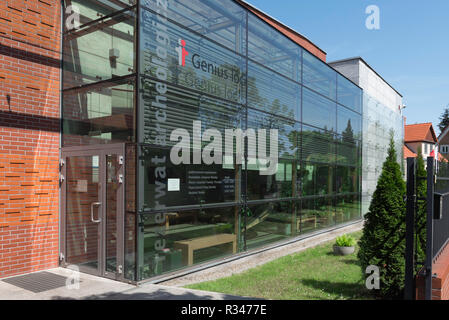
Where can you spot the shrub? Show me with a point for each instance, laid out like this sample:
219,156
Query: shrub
383,241
345,241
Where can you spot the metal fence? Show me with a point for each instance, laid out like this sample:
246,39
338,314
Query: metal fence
441,209
436,202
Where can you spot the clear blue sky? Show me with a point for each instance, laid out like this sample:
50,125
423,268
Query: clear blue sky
410,51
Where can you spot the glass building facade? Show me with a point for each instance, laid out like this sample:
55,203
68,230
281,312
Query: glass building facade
379,123
146,74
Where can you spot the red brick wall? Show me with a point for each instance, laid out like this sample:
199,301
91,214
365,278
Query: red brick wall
29,135
440,283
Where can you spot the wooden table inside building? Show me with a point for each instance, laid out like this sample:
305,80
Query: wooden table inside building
306,219
188,246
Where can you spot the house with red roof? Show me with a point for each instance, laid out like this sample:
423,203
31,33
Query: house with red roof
419,137
443,145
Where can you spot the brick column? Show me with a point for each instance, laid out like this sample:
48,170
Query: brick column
440,282
29,135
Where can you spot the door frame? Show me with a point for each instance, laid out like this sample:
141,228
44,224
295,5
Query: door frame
97,150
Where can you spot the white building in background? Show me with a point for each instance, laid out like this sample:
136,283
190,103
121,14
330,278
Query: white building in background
382,114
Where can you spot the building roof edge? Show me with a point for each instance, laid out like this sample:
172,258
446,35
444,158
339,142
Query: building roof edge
361,59
245,3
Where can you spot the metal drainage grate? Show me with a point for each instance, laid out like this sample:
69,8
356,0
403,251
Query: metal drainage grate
38,282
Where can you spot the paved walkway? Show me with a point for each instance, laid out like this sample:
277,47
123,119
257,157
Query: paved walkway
91,287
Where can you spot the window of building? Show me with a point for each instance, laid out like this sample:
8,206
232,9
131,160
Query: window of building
444,149
98,100
318,76
318,111
348,94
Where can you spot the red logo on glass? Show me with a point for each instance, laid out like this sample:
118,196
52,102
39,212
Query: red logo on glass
182,52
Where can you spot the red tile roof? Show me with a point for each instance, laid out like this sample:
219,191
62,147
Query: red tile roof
420,132
409,153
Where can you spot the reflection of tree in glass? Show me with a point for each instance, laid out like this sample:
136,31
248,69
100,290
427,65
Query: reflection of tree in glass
318,146
348,134
269,119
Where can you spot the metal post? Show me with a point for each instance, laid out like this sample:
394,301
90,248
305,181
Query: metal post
139,162
409,286
429,227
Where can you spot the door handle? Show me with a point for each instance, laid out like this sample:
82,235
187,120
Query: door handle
92,212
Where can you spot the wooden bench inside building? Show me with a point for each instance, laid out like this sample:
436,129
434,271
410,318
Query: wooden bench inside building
189,246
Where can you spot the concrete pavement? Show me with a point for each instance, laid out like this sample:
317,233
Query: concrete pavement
92,287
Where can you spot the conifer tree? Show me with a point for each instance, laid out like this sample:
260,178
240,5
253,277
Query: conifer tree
444,119
421,211
383,241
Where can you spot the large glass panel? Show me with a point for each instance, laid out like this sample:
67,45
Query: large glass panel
347,179
349,94
272,49
349,124
83,191
317,213
348,153
269,222
319,76
180,109
193,184
90,10
318,145
201,179
379,121
317,179
280,184
101,113
347,208
287,132
170,53
221,21
270,92
186,238
99,51
318,111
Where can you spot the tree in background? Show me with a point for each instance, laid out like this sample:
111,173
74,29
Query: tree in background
444,119
383,241
421,211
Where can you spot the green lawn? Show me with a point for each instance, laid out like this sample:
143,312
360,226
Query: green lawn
315,273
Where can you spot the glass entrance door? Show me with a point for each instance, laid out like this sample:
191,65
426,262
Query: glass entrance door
93,206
